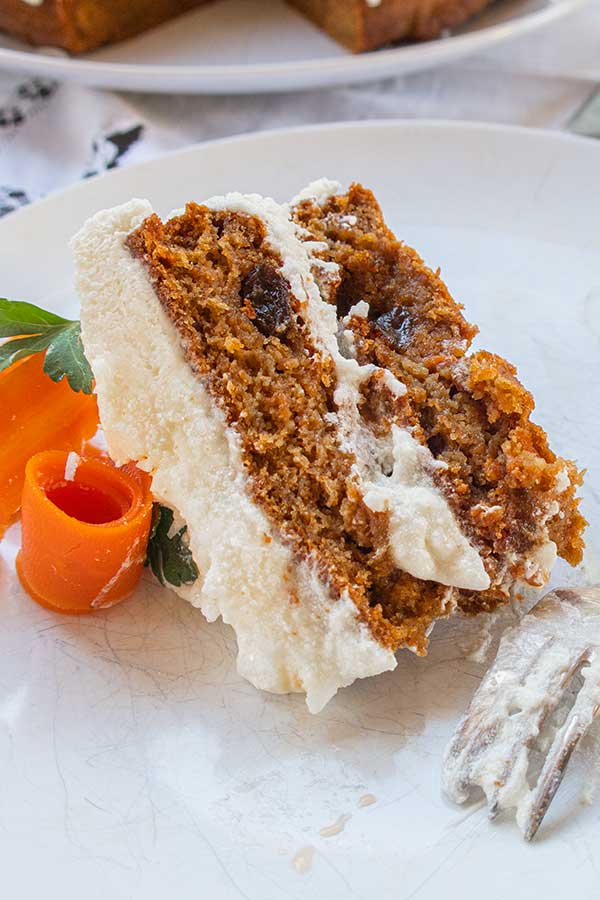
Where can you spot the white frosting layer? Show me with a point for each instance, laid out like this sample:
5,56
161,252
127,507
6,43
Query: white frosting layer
425,536
291,636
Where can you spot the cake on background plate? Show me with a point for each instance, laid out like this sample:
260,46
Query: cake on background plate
299,385
82,25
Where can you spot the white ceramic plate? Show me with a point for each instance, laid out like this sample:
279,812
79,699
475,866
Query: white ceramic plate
135,762
251,45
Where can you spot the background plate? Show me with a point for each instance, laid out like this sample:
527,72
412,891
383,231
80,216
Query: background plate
246,46
135,762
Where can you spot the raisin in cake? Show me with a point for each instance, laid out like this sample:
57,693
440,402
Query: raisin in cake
81,25
297,383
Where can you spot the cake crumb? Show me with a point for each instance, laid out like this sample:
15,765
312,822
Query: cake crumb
337,827
303,860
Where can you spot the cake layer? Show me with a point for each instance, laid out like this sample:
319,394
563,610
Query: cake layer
514,498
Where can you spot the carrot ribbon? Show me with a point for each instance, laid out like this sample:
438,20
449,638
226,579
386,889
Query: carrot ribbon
36,414
85,527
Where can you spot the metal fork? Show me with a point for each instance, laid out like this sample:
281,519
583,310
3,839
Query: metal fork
534,705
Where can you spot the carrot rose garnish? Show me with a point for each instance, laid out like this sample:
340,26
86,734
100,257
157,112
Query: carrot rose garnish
85,527
36,414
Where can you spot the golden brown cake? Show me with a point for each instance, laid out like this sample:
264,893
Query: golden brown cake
81,25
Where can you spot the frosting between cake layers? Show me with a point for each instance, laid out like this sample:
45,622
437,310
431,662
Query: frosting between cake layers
425,537
291,634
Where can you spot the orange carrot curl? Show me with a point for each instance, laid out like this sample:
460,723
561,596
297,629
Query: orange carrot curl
85,527
36,414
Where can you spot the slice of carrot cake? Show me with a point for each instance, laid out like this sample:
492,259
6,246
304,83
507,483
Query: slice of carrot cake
295,380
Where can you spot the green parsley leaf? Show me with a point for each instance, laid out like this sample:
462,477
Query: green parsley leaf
36,330
170,558
66,357
11,351
17,317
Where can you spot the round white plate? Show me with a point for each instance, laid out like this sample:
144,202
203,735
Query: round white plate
135,762
245,46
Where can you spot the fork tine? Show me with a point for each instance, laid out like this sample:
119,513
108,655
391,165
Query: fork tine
583,713
528,682
472,757
551,683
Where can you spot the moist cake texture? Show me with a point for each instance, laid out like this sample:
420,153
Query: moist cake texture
303,397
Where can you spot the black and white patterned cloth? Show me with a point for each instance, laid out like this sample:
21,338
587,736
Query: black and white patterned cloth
52,135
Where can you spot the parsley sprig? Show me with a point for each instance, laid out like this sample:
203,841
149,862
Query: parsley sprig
35,330
169,557
31,329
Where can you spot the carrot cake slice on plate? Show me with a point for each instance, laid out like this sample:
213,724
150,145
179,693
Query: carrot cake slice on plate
299,386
